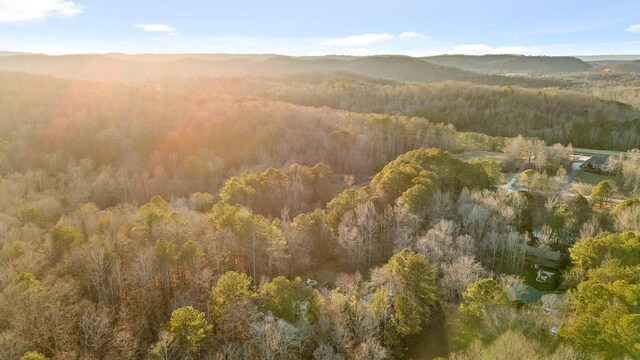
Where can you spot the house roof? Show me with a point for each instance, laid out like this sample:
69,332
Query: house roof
597,160
542,252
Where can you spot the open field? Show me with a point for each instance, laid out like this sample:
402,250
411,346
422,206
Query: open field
482,155
591,179
598,152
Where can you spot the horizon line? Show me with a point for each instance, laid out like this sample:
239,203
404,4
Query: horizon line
309,56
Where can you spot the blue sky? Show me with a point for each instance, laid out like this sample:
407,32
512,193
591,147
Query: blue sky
306,27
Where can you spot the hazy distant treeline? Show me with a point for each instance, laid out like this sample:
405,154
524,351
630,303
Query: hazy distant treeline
115,68
553,115
141,140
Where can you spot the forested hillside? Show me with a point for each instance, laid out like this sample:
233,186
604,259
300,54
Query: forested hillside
192,138
618,86
551,114
512,64
96,263
313,216
119,69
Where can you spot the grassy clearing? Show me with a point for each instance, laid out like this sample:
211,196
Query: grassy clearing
482,155
530,279
599,152
326,275
592,178
586,180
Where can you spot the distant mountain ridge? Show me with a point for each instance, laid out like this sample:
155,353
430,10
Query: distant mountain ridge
12,53
599,58
515,64
119,67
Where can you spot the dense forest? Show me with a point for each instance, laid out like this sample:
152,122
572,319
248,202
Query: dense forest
617,86
551,114
315,215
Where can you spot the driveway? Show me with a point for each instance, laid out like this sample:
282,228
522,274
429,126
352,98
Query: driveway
575,169
509,186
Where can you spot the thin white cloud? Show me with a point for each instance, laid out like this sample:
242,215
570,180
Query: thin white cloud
57,44
23,11
479,49
163,28
634,29
413,35
355,40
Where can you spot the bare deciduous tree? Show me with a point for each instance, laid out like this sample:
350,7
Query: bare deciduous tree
367,222
350,239
458,275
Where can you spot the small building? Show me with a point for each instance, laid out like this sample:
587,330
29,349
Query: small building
598,163
542,256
